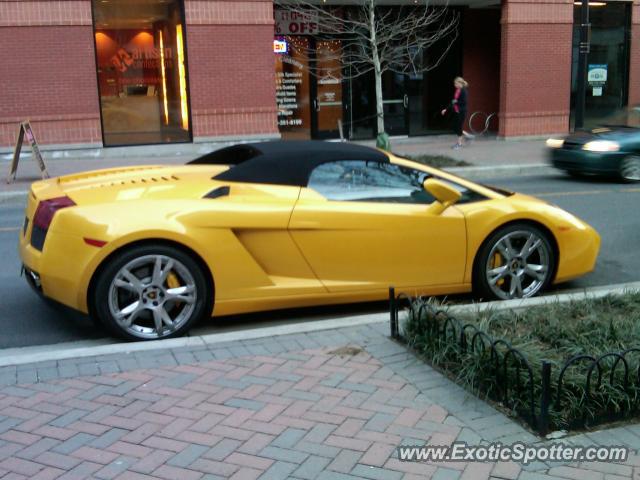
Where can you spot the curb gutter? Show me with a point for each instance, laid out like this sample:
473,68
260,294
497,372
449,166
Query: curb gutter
92,348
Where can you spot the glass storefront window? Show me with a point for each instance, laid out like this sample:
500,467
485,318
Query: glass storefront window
320,93
608,63
292,86
142,76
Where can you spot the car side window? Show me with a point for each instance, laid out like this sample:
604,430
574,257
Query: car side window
367,181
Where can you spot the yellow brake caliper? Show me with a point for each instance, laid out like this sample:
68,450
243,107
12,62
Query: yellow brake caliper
172,280
497,262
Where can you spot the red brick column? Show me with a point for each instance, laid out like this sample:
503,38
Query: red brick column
231,67
634,57
481,60
535,66
47,71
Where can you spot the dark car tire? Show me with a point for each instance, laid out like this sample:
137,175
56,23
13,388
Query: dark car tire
630,168
504,275
175,308
577,174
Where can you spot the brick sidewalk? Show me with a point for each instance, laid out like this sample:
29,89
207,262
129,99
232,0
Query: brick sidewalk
297,406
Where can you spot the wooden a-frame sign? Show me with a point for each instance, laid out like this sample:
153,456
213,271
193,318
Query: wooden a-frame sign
25,129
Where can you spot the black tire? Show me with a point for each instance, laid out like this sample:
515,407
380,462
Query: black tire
515,267
576,174
108,294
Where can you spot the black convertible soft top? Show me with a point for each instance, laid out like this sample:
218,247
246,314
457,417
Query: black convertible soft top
283,162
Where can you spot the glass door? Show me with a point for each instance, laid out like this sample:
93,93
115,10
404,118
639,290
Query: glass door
608,64
293,87
418,115
395,103
361,108
328,99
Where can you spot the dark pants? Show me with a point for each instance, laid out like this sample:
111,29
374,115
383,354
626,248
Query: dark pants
458,122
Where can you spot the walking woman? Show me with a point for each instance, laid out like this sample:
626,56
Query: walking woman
458,108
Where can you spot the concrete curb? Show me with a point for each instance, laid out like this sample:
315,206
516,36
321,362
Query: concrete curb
479,173
94,348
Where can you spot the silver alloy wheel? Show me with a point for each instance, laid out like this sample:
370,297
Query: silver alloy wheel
518,265
630,168
152,296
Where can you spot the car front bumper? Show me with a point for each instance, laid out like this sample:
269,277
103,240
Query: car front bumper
578,252
582,161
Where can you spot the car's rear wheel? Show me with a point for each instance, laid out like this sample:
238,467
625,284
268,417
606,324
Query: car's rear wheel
151,292
516,261
630,168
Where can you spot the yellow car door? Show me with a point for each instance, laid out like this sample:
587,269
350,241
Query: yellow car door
366,225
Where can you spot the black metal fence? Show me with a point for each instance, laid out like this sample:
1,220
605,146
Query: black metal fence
606,387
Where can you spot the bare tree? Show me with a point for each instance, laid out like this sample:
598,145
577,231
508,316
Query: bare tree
378,38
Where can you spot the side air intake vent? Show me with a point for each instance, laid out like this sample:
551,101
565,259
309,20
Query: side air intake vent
218,192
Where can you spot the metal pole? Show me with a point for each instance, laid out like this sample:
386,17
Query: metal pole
583,52
393,312
545,399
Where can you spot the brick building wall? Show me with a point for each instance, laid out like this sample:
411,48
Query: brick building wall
535,66
231,67
481,60
48,72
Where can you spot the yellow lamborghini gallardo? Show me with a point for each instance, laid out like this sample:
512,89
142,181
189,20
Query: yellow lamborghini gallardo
150,250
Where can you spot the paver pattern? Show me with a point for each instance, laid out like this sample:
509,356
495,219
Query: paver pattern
299,406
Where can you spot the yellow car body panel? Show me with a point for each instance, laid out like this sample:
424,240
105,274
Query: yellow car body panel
372,237
274,246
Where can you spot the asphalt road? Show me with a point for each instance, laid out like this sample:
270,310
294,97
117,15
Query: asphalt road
27,320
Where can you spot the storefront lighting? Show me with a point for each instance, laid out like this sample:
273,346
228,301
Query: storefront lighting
592,4
279,46
183,78
164,82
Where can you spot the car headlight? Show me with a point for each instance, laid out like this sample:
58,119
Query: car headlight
601,146
555,143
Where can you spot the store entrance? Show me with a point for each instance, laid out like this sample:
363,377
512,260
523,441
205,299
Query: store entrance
608,64
395,103
309,87
327,83
320,97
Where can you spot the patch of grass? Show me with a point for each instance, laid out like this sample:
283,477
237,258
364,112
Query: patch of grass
437,161
556,332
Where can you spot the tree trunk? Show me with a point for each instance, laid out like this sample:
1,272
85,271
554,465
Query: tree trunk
377,67
379,104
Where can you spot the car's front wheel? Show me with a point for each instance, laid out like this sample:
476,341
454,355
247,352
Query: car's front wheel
151,292
516,261
630,168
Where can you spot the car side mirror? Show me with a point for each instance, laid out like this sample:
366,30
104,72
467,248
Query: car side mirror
444,194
